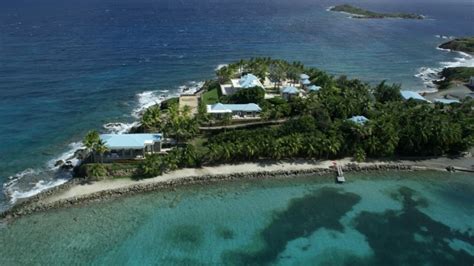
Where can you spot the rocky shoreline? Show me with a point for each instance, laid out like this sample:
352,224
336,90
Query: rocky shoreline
36,204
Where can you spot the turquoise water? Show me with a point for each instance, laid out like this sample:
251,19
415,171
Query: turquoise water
70,66
374,219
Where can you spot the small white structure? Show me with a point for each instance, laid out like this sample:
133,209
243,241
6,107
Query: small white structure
304,76
446,101
289,92
314,88
236,110
245,82
407,95
359,119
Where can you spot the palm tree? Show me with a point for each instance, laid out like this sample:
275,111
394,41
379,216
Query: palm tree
90,141
101,148
226,120
151,119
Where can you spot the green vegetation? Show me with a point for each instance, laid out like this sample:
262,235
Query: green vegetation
462,45
169,102
210,97
362,13
94,144
454,74
250,95
212,94
96,171
385,93
173,122
313,127
277,70
180,157
151,119
318,126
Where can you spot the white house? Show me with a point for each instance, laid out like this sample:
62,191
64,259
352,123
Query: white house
407,95
130,146
314,88
245,82
236,110
289,92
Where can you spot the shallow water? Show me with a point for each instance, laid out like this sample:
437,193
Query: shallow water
374,219
70,66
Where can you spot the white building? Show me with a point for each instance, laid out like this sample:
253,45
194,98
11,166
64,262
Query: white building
245,82
236,110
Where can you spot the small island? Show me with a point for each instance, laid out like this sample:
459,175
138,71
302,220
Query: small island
465,45
357,12
263,118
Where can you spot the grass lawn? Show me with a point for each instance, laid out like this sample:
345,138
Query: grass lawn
210,97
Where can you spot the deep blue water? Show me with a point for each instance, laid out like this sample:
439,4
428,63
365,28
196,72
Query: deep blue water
70,66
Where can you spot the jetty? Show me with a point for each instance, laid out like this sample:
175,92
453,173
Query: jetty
340,175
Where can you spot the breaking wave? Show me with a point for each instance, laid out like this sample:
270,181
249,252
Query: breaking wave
431,74
30,182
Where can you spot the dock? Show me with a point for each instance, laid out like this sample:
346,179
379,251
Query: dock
340,175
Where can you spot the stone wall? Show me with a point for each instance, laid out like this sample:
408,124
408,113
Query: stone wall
35,204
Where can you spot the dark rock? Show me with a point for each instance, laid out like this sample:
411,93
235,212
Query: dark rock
58,163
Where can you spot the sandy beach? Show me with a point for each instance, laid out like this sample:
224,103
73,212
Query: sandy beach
77,191
248,168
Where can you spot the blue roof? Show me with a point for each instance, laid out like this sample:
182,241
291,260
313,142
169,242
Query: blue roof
314,88
305,82
249,81
359,119
446,101
249,107
304,76
290,90
132,141
412,95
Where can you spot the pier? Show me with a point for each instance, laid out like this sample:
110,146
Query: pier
340,175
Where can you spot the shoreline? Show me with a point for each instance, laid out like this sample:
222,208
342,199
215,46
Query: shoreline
76,192
70,155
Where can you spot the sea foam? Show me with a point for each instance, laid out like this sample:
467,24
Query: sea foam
30,182
431,74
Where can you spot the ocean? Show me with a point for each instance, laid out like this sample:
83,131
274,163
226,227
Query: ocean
390,218
67,67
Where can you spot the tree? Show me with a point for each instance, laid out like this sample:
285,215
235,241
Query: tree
180,125
249,95
359,154
95,171
90,141
202,115
226,119
151,119
101,148
153,165
277,73
384,93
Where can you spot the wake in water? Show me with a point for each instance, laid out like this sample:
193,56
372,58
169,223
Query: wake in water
58,171
429,75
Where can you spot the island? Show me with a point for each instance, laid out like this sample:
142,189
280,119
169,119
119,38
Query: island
465,45
264,118
357,12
